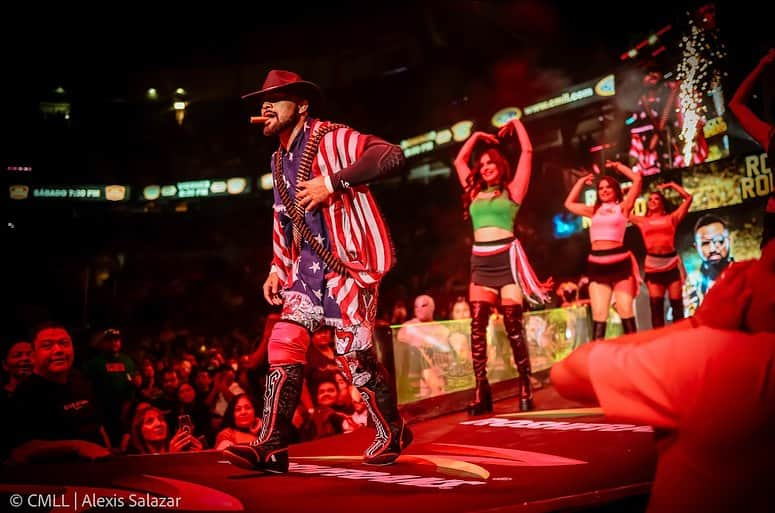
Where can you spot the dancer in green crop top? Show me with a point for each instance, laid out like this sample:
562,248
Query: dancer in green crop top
492,195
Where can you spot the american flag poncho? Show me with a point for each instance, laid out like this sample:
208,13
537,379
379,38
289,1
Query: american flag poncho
358,233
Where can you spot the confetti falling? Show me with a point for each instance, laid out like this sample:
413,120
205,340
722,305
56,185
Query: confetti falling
699,76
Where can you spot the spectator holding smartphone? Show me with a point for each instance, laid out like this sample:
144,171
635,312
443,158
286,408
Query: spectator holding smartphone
150,434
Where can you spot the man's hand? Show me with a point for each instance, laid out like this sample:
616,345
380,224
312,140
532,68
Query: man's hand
312,193
272,289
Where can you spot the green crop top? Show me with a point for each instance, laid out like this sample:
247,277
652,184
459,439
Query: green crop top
499,211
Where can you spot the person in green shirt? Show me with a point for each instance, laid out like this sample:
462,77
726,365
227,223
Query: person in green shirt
492,195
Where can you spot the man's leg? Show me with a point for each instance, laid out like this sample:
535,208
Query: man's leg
287,354
358,360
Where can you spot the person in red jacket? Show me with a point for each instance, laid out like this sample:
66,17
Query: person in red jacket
706,384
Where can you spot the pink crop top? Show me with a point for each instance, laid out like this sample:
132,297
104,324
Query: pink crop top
608,223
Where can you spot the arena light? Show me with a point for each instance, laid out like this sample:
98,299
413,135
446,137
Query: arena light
236,185
505,115
265,181
151,192
652,40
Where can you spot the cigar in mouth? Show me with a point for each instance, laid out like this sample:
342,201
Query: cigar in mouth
258,120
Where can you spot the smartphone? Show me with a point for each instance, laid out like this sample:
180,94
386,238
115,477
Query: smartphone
185,423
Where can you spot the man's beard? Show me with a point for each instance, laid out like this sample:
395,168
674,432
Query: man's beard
280,126
711,269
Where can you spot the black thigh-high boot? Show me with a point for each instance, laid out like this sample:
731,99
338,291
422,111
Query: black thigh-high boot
270,452
598,330
480,318
393,435
677,305
512,321
657,311
628,325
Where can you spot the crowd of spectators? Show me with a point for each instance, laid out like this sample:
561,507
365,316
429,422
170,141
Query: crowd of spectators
65,398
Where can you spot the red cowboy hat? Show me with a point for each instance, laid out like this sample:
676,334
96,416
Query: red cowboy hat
278,80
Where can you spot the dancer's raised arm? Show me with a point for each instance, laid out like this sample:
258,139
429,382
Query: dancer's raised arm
634,191
683,208
572,202
757,128
519,184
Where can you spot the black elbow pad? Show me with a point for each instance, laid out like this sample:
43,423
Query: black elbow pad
391,160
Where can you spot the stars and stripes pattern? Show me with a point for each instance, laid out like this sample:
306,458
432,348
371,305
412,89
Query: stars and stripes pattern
358,233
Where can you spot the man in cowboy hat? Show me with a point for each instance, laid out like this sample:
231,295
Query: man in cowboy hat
331,249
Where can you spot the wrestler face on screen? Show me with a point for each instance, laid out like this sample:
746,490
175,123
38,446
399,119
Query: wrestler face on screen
283,111
712,242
